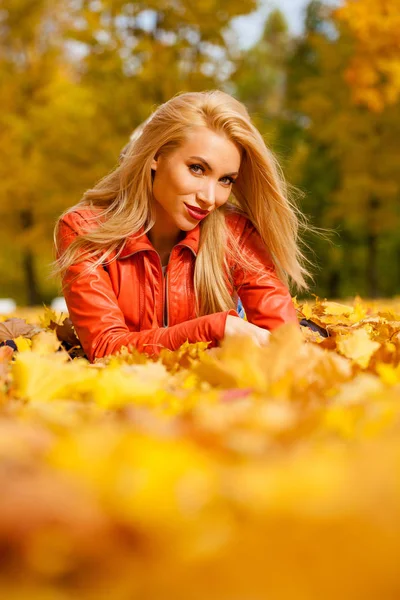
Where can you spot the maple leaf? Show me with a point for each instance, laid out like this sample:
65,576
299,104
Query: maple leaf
241,363
306,310
389,374
50,377
66,333
23,344
358,346
45,342
15,327
116,386
336,309
184,357
5,356
48,318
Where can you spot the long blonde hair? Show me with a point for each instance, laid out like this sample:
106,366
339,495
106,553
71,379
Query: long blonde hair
124,198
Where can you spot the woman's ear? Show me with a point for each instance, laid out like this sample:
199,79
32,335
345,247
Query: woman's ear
154,163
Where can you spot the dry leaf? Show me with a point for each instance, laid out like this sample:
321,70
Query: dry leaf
15,327
66,333
5,356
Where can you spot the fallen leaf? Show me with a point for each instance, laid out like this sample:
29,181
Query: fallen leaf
49,319
45,342
5,356
334,308
66,333
15,327
358,346
23,344
307,311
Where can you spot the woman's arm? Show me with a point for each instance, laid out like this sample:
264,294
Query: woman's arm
266,300
99,321
101,328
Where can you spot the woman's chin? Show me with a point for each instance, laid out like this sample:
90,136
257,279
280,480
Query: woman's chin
187,224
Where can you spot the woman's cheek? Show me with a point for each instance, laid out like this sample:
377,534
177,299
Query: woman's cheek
185,182
222,197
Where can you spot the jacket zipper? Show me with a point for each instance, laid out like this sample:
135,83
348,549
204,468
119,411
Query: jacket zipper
141,294
166,289
166,315
141,287
164,284
160,320
166,294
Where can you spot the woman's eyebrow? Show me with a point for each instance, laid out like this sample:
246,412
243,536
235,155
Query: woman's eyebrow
208,166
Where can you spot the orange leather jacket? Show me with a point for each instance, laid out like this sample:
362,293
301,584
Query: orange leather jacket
129,302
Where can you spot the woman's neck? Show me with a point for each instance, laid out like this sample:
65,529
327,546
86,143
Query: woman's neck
164,241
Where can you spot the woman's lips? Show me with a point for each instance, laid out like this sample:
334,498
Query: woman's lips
196,213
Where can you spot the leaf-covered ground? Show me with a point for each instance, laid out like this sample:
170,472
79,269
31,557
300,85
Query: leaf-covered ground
237,473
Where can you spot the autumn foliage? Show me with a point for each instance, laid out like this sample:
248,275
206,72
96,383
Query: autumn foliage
374,70
237,472
77,77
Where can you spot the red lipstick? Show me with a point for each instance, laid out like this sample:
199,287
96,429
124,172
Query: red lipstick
196,213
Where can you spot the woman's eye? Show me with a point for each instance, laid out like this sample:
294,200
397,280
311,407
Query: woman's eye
228,180
197,169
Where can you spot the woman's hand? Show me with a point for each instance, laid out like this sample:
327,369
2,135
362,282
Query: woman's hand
237,326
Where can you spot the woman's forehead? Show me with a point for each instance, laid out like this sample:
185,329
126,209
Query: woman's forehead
211,146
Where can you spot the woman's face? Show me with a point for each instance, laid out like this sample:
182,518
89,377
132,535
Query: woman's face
194,179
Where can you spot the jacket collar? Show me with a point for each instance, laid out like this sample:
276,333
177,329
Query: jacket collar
140,242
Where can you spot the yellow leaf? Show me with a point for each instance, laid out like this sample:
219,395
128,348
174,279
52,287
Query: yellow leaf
358,346
46,342
307,311
334,309
389,374
117,386
46,378
23,344
48,317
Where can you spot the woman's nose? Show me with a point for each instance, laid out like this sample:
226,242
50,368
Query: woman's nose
207,194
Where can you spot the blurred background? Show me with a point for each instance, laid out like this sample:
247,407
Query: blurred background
320,79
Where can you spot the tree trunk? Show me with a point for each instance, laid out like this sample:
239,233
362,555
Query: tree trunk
28,264
372,268
372,249
333,284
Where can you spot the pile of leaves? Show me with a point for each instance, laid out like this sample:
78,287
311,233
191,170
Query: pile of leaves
237,473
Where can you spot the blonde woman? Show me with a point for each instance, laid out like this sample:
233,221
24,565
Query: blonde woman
195,216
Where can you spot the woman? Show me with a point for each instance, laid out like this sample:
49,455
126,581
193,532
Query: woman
195,214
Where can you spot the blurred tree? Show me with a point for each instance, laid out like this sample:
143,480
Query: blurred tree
311,164
260,77
76,76
261,81
40,127
138,56
45,131
345,157
373,71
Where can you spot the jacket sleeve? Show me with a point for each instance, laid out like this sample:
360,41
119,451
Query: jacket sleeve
99,321
266,300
